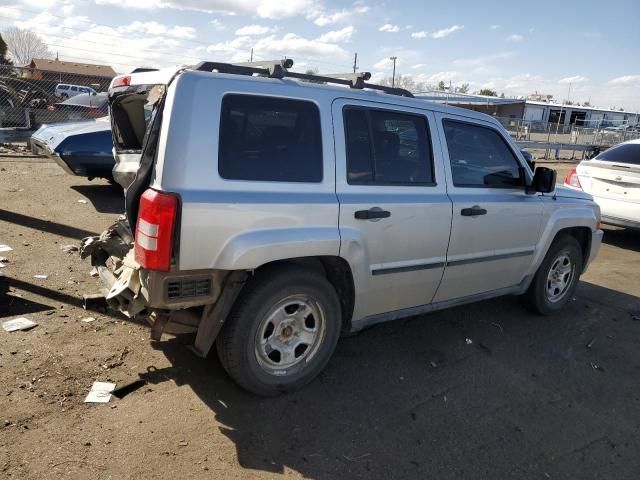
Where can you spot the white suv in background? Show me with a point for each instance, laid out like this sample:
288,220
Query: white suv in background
613,178
271,215
65,90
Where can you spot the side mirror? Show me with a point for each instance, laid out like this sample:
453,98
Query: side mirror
544,180
529,159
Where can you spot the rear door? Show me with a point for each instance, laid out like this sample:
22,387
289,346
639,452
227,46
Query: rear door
496,225
395,215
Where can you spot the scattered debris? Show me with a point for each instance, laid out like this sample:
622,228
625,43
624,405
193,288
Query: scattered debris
4,259
88,319
2,264
69,248
434,364
41,276
595,366
93,272
356,459
21,323
5,248
82,201
468,340
183,443
100,392
591,342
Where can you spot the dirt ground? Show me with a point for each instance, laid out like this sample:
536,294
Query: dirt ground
530,397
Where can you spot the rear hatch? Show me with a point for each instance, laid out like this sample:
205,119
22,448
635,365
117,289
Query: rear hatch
614,174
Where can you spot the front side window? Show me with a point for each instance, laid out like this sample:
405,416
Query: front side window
387,148
480,157
623,153
269,139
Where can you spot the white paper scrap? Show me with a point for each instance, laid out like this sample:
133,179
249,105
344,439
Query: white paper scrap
100,392
43,277
20,323
88,319
5,248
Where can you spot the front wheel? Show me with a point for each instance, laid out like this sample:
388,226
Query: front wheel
282,330
557,278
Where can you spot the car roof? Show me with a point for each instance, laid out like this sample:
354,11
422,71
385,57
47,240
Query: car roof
87,99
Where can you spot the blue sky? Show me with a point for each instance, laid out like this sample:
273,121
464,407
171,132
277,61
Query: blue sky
512,47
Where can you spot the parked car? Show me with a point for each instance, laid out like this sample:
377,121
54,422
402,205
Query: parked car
80,148
66,90
613,178
272,215
85,105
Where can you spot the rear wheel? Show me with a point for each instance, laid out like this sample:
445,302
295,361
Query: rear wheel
282,330
557,278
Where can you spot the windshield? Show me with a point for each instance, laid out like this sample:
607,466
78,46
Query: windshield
623,153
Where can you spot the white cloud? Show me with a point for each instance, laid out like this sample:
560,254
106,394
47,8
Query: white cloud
445,32
574,79
418,66
253,30
440,77
387,27
155,28
625,80
292,45
515,38
385,64
217,24
494,27
261,8
338,36
322,18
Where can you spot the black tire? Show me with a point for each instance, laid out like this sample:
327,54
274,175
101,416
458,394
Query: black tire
236,344
537,297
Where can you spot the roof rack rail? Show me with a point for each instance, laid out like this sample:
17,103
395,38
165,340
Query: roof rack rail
143,69
280,69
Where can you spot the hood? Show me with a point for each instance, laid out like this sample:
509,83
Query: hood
52,135
568,192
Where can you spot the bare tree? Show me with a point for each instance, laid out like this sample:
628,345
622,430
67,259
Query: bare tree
24,45
406,82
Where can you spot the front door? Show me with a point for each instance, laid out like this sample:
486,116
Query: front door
395,215
496,225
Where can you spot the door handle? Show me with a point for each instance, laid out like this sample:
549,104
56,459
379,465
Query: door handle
473,211
372,214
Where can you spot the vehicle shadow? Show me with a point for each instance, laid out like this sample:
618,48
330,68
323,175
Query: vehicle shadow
622,238
484,390
105,198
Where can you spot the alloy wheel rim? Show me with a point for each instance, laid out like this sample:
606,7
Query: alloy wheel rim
290,333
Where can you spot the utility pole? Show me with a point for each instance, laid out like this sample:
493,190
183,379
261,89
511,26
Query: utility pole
251,58
355,62
393,77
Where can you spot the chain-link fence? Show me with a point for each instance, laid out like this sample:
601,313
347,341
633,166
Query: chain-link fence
549,132
30,97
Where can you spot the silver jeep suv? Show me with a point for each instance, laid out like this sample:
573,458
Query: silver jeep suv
273,214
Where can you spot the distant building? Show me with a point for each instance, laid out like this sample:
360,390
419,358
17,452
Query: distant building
91,75
578,115
540,97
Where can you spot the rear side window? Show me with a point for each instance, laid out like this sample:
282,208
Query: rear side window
480,157
387,148
64,87
269,139
74,89
623,153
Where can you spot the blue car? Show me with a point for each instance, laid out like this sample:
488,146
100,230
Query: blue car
82,148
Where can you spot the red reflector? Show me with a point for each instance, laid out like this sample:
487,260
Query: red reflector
154,231
572,179
121,81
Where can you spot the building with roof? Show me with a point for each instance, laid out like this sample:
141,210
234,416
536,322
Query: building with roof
96,76
592,117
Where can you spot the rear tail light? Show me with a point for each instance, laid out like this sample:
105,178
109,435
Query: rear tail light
154,231
123,81
572,179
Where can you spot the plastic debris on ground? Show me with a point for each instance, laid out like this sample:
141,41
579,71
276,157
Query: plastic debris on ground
41,276
69,248
5,248
88,319
21,323
100,392
82,201
468,340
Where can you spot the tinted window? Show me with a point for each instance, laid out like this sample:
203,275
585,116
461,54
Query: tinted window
387,148
64,87
74,89
624,153
480,157
269,139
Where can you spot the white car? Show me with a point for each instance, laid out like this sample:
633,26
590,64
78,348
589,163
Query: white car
65,90
613,178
